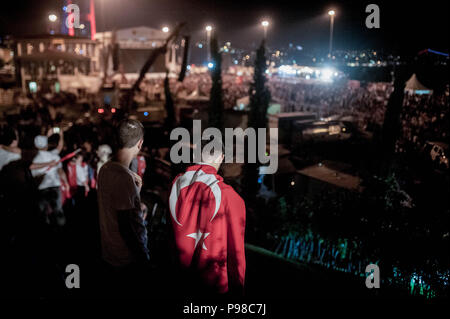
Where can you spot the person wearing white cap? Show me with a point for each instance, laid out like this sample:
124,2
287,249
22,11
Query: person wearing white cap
10,151
104,152
49,187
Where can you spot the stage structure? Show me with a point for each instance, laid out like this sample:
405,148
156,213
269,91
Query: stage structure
129,49
40,60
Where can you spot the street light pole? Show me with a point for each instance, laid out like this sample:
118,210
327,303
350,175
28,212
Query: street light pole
265,24
52,18
208,42
331,14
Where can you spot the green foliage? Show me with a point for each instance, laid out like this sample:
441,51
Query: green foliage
345,231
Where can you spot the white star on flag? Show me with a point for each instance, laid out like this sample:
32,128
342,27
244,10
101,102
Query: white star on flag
197,236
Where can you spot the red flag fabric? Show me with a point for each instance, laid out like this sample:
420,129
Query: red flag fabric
72,175
142,165
208,219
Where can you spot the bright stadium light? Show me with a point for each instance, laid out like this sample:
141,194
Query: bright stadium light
165,29
208,28
52,17
326,75
331,12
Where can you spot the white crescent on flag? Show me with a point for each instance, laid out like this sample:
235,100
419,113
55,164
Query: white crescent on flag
188,179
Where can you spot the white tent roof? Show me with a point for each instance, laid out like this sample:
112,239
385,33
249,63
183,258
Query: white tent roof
134,38
413,84
140,34
72,82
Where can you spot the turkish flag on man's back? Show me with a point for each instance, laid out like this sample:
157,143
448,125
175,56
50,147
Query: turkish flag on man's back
208,219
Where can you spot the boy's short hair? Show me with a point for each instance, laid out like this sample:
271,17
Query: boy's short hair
203,143
220,144
129,133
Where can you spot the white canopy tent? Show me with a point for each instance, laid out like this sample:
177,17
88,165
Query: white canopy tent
413,86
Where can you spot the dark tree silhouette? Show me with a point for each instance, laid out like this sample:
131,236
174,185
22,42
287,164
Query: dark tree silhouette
185,46
391,125
259,93
215,116
148,64
259,103
170,118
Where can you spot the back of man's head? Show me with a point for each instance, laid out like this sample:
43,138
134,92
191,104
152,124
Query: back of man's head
130,132
212,152
8,136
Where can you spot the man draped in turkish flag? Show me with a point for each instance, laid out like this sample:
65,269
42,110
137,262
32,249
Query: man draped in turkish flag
208,220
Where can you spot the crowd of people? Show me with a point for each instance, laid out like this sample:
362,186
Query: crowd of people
49,166
41,123
49,188
63,150
424,118
51,154
197,86
366,105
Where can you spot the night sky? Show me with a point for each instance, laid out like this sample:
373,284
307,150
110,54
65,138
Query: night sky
406,26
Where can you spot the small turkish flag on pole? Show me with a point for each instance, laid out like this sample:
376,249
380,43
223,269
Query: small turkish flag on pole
70,18
92,19
68,156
